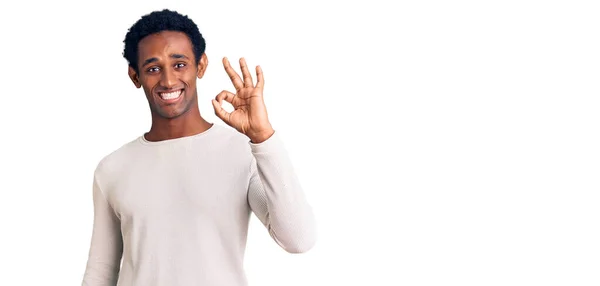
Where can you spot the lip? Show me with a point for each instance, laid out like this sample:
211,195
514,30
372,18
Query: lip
170,101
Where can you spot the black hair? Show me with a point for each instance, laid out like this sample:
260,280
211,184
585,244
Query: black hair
158,21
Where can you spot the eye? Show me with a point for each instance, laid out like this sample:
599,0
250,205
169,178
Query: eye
153,69
179,65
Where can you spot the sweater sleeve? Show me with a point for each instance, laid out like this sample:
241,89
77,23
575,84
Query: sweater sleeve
106,247
277,198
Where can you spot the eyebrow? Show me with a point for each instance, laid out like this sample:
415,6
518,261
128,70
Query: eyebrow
175,56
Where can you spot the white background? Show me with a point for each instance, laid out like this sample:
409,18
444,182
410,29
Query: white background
439,142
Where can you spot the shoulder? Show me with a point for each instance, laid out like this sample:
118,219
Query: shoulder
118,157
230,138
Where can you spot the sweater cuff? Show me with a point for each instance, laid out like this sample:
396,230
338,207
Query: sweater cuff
273,144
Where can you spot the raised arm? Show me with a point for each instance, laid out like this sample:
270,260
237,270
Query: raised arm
106,248
277,199
275,195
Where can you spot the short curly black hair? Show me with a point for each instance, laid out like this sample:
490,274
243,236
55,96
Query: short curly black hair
158,21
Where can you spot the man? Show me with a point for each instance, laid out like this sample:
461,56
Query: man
172,206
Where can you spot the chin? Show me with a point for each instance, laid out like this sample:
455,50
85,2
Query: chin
169,114
172,111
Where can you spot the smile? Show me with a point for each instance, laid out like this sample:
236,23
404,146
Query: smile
170,95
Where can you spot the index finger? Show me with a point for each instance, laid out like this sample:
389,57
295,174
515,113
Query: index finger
235,78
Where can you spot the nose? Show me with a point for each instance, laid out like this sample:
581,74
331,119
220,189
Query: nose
168,79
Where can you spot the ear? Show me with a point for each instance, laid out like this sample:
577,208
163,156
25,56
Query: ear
202,64
134,77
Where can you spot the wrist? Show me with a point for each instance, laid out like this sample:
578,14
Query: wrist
262,136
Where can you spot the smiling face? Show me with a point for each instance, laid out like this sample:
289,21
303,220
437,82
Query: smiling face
167,72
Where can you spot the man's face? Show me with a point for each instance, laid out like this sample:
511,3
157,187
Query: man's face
167,72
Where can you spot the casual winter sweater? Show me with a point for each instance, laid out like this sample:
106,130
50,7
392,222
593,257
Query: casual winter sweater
176,212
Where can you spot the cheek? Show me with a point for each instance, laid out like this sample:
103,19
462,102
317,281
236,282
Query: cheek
190,80
146,87
149,83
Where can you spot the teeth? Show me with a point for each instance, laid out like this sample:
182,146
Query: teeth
171,95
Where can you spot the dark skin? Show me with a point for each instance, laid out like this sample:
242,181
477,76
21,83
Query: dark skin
167,64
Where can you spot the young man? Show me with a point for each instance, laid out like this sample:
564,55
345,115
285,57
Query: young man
172,206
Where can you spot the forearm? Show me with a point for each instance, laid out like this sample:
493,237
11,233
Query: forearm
106,247
289,217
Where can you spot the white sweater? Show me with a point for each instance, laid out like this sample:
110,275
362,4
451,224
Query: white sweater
177,211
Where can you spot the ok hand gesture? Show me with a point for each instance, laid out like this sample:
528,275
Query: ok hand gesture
250,113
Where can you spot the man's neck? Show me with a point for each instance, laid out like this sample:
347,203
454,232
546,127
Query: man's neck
188,124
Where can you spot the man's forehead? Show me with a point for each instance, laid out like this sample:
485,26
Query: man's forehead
165,42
